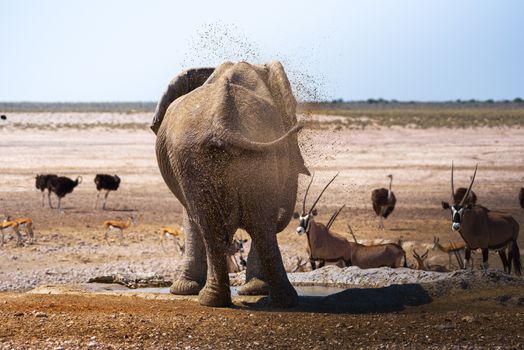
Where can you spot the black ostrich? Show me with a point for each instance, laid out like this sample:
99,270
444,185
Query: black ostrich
521,197
3,117
43,182
108,183
383,202
62,185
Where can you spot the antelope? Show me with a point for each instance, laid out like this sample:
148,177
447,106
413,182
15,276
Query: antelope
377,255
423,265
174,232
27,225
118,225
324,245
300,265
236,247
485,229
453,248
13,225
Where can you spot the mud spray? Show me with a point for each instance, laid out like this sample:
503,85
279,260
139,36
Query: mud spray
218,42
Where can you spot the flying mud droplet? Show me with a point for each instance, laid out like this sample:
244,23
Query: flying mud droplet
218,42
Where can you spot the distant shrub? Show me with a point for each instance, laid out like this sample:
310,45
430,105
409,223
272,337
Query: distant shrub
518,100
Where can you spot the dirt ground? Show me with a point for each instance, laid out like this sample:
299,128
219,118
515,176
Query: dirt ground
419,160
70,246
485,319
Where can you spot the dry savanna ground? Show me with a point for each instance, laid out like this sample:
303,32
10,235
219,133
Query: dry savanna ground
70,246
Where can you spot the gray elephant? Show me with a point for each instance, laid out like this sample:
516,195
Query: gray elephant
227,148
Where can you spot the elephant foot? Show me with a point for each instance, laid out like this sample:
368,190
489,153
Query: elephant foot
216,298
254,287
185,287
284,298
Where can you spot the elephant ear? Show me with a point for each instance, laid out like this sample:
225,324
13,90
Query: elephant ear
280,88
281,91
182,84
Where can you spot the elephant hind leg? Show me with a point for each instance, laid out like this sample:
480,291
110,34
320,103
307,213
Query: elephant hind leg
255,280
216,233
281,292
194,266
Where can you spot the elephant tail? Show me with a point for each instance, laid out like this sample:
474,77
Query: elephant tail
237,140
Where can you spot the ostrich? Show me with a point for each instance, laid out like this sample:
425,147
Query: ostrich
3,117
62,185
383,202
107,183
521,197
43,182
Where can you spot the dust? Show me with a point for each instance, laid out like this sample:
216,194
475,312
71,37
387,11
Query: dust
218,42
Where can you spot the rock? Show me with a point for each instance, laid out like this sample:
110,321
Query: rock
444,326
40,314
468,319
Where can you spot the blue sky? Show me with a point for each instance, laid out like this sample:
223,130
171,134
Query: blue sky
128,50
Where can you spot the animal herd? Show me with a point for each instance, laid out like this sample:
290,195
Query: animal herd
479,227
498,230
62,185
227,148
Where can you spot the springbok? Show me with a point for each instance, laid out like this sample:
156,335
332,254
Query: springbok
13,225
174,232
423,265
453,248
324,245
237,246
25,224
110,225
485,229
300,265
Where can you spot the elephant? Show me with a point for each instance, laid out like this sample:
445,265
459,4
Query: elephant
227,148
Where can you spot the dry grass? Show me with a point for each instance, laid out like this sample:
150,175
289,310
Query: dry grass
360,116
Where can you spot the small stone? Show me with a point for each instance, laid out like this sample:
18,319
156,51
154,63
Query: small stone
467,319
40,314
17,314
444,326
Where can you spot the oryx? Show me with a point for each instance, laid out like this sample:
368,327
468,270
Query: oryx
485,229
